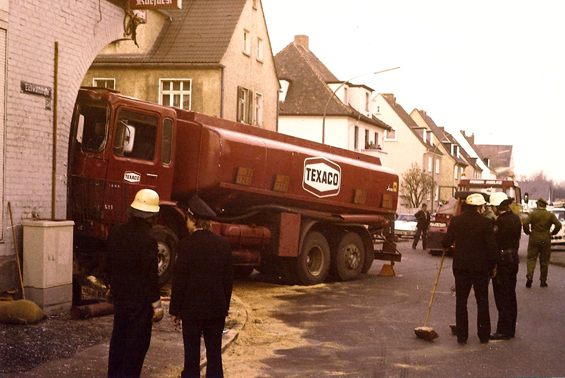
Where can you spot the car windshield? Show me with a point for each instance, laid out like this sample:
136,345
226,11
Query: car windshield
559,214
406,218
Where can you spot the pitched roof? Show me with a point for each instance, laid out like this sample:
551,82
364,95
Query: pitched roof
199,33
308,92
500,156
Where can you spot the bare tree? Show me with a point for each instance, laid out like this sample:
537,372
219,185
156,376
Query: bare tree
416,185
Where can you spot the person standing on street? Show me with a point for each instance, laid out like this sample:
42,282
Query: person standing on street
538,225
423,218
201,291
508,230
474,258
132,272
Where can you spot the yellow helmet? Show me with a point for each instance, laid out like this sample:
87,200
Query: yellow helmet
146,201
496,199
475,199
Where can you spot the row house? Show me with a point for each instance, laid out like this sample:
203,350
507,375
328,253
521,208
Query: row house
212,57
408,143
315,105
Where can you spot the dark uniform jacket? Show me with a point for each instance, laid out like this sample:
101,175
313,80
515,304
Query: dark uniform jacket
508,230
132,262
203,280
541,221
423,218
475,248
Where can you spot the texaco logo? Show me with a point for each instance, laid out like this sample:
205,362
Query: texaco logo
321,177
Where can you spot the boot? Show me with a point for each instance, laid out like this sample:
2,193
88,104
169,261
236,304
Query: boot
529,281
543,284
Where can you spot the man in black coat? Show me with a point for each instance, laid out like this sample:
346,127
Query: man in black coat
201,291
132,272
423,218
508,230
474,258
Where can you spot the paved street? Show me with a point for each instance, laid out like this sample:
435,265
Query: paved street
365,328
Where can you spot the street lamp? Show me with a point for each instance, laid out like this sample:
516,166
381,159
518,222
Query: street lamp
334,92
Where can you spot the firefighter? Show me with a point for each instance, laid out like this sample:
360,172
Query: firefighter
201,291
508,230
131,266
538,225
474,257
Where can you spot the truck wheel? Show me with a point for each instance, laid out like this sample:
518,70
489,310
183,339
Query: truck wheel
313,263
348,258
167,243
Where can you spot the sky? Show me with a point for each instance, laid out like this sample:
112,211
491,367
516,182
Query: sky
494,68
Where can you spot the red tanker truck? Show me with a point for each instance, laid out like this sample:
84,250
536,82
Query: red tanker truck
291,207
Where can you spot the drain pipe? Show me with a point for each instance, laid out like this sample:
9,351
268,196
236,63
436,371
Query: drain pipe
55,100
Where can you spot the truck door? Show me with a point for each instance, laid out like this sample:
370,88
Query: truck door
142,153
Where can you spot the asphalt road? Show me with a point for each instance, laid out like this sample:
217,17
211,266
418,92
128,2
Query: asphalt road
365,328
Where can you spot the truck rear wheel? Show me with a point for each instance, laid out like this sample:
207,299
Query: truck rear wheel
313,263
348,257
167,243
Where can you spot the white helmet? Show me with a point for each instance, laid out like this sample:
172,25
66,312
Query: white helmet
146,202
496,199
475,199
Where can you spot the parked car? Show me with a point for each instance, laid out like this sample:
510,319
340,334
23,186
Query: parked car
559,239
405,225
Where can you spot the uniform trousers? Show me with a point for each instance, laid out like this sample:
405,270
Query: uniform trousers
504,288
542,250
424,234
131,337
192,331
464,281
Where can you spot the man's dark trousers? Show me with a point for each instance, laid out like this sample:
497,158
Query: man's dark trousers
464,281
504,288
212,330
131,337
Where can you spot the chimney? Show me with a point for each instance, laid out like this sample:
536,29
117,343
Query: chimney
302,40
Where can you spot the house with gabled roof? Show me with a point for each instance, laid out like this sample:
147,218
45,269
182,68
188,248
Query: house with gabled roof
468,143
212,57
499,158
315,105
408,143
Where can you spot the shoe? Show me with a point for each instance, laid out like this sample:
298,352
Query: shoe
484,341
543,284
462,340
499,336
529,281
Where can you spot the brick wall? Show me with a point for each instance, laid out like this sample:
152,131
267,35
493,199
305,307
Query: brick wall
81,28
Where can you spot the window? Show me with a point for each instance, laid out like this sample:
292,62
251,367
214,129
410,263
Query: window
104,83
356,138
390,134
430,162
437,166
258,109
244,105
137,135
366,139
367,101
378,109
455,172
377,143
92,126
259,49
167,142
175,92
246,42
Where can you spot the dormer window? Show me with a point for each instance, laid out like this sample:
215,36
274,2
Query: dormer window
367,101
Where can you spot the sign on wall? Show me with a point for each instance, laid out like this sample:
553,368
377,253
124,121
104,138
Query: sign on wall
155,4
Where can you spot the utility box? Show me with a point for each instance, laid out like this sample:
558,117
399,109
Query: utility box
48,264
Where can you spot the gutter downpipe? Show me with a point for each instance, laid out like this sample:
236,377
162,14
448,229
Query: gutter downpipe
55,100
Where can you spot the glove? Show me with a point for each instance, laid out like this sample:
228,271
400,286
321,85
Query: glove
157,311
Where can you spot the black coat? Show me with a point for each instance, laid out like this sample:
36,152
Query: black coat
423,218
475,249
132,262
203,279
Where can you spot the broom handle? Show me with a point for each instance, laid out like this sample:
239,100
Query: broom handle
17,252
434,290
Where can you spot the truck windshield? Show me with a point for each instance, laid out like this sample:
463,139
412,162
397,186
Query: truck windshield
92,127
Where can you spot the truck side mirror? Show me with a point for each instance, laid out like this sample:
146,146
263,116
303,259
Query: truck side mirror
80,128
125,136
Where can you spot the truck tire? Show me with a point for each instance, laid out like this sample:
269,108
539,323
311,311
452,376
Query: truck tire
348,257
313,263
167,242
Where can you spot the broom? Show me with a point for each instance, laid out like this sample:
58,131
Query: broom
425,332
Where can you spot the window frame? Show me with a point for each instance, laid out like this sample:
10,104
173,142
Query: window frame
258,109
171,92
95,81
246,42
